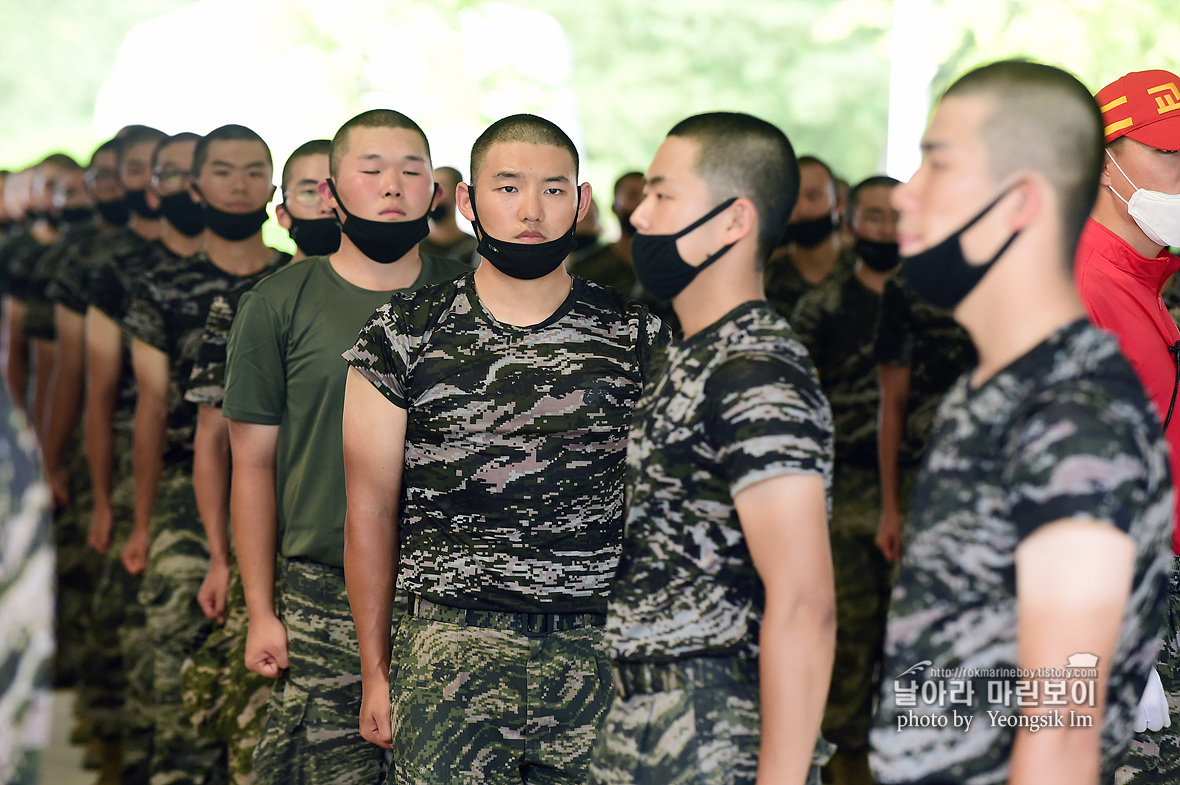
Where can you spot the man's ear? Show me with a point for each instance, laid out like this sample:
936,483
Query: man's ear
438,194
463,201
283,217
152,198
1106,173
585,195
743,220
325,192
194,192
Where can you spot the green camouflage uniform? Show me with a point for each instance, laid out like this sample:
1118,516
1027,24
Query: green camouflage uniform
509,531
119,686
225,699
26,602
1065,431
735,404
835,321
784,285
283,367
168,308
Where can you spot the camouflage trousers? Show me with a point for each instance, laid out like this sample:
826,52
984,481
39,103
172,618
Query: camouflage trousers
225,700
477,698
78,570
178,558
689,722
1154,756
312,734
862,605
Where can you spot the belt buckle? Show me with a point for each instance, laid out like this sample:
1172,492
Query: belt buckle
536,625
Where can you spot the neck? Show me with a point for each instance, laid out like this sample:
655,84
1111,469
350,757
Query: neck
1017,311
238,257
718,289
622,247
145,228
446,231
872,279
517,302
299,255
1111,212
816,264
178,243
43,233
361,271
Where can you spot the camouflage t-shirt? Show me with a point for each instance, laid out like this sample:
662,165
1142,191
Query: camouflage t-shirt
836,321
513,494
1064,431
731,406
72,280
912,333
206,383
106,286
75,239
785,285
168,308
26,601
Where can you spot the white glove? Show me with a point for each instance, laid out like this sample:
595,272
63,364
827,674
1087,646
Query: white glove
1153,706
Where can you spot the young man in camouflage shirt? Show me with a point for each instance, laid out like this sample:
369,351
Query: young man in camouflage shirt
228,191
1038,526
225,699
721,624
284,397
502,400
836,321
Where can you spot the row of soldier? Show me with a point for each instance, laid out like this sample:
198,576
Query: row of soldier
153,312
76,282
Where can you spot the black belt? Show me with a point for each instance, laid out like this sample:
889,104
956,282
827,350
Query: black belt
533,625
644,678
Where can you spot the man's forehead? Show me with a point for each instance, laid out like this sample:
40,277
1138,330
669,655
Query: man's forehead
956,122
387,143
243,152
515,158
674,162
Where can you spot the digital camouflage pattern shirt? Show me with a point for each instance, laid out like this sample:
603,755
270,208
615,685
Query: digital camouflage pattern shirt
733,405
26,601
513,489
836,321
1064,431
912,333
167,310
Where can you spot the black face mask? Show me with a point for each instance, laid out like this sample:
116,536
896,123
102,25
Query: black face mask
315,237
808,234
75,216
524,261
137,201
440,213
881,257
941,275
658,263
382,241
114,212
234,227
185,215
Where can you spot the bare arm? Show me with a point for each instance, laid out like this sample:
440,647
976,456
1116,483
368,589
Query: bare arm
65,399
17,367
895,395
151,433
373,476
104,364
256,531
1073,579
785,523
44,356
211,467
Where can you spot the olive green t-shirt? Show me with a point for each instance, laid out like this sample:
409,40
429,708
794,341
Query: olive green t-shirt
284,368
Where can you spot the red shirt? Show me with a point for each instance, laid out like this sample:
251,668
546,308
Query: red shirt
1121,290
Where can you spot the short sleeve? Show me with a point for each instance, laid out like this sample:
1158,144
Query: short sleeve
1074,459
145,316
807,317
381,354
894,335
67,287
767,417
255,368
206,386
654,337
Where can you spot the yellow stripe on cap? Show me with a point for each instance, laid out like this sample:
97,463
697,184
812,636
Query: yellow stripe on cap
1120,125
1113,104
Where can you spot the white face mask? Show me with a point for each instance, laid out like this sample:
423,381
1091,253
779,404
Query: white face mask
1156,213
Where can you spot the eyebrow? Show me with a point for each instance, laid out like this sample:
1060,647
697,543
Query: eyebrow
306,181
380,157
510,175
931,145
228,165
659,179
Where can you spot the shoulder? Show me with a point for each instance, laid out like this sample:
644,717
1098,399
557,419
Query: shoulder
438,269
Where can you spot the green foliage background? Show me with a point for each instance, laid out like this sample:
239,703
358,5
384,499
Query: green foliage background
818,68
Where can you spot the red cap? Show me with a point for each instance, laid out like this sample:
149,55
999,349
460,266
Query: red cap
1144,105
